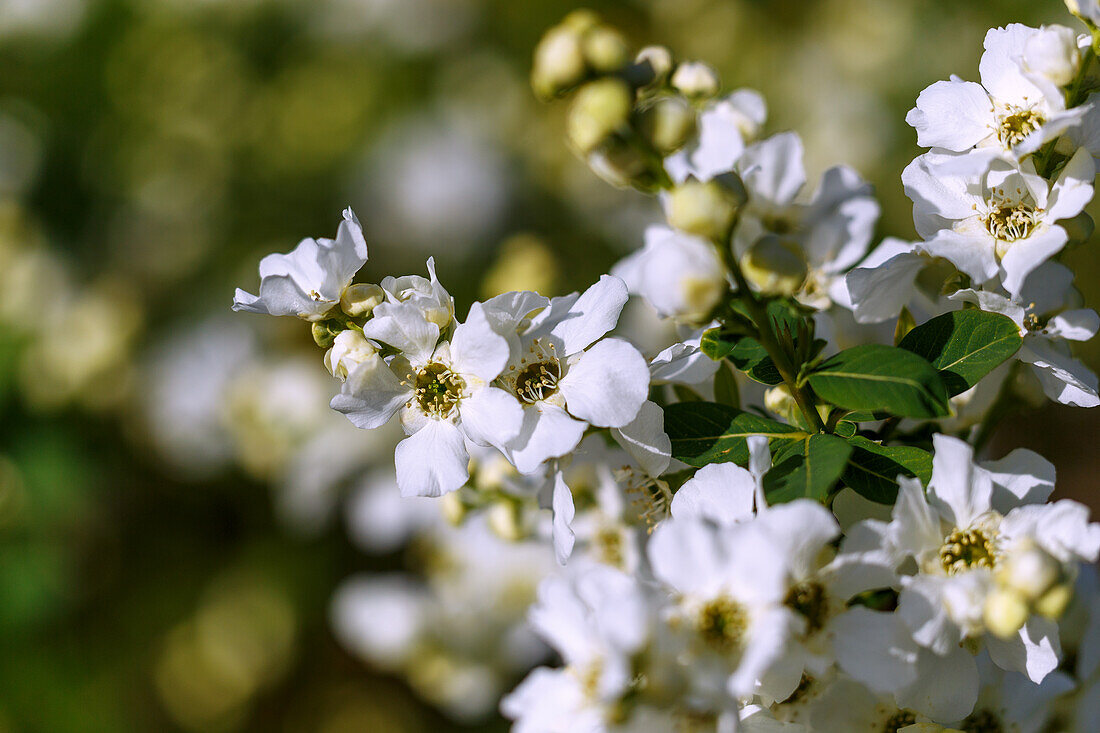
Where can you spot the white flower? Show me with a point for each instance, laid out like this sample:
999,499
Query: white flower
426,294
972,521
993,219
350,349
597,618
309,281
681,276
1046,322
564,374
442,391
832,230
1017,107
725,127
728,587
886,281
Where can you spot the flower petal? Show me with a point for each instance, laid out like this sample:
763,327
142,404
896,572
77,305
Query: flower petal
644,438
607,385
720,492
593,314
432,461
491,416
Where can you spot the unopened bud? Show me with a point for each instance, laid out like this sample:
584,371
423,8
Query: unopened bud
775,265
1079,228
559,62
1030,572
1005,612
349,349
621,164
706,209
668,124
506,521
1055,601
605,49
600,108
325,332
696,80
779,401
361,299
454,509
1052,53
581,21
655,63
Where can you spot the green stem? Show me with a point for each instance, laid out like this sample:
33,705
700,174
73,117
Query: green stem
758,312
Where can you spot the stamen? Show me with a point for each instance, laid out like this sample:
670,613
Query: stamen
438,390
966,549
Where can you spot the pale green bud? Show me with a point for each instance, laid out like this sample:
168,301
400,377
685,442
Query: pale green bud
651,66
1055,601
506,521
620,164
696,80
361,299
349,349
599,109
581,21
605,49
775,266
1030,571
454,508
1005,612
325,332
559,62
779,401
668,124
706,209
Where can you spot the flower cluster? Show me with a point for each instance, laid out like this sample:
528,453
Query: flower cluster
756,528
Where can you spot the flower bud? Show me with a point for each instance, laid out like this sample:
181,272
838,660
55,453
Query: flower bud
604,49
559,62
326,331
696,80
1055,601
1005,612
600,108
779,401
706,209
454,508
1052,53
580,21
1030,572
668,123
349,349
775,265
506,521
361,299
656,62
621,164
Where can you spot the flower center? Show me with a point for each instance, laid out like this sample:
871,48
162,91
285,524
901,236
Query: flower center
982,721
650,497
538,381
609,544
810,601
722,624
1018,123
966,549
1010,222
898,720
438,390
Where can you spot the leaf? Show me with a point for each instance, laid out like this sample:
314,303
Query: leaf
725,387
686,394
749,356
706,432
878,377
806,469
873,469
717,344
964,345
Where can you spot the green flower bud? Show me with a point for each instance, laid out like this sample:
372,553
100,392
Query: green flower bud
621,164
1005,612
599,109
559,62
775,266
605,49
657,60
668,124
361,299
696,80
325,332
706,209
779,401
1055,601
580,21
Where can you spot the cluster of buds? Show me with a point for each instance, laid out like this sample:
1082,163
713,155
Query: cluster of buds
626,114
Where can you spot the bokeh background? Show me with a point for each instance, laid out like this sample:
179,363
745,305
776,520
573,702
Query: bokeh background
174,493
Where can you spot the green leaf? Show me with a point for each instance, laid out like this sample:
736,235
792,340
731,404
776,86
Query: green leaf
873,469
725,387
706,432
686,394
964,345
878,377
749,356
806,469
717,344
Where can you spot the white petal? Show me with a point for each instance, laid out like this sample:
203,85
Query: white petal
491,416
955,115
477,349
879,293
547,432
432,461
404,327
1025,255
1075,325
959,490
645,439
593,314
946,687
686,556
915,527
721,492
841,220
973,253
772,169
370,395
607,385
564,538
921,606
1064,379
1033,652
1021,477
873,647
800,530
